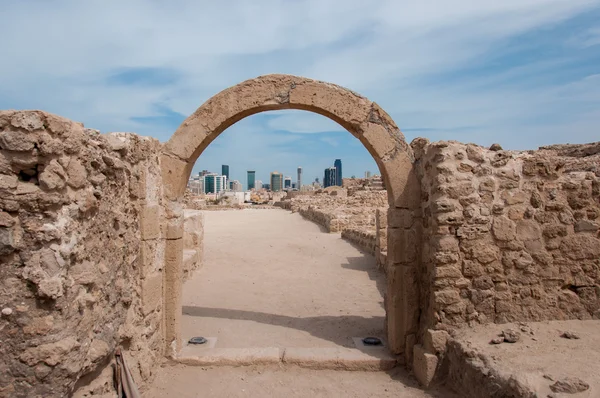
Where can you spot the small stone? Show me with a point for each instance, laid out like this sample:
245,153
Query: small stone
495,147
7,311
570,385
570,335
511,335
497,340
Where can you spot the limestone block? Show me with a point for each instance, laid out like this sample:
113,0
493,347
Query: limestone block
152,292
399,218
174,229
504,229
175,173
53,176
402,246
435,341
150,223
77,174
8,182
402,305
424,365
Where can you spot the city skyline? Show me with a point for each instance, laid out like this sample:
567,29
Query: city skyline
241,175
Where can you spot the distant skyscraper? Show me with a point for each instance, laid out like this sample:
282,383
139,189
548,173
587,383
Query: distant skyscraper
225,170
251,178
258,184
299,182
266,186
338,172
329,179
276,182
214,183
287,182
367,174
235,186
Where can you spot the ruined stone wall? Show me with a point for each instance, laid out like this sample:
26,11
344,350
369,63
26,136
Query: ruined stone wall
508,236
81,251
364,239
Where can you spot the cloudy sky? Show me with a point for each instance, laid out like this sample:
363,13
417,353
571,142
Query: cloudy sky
523,73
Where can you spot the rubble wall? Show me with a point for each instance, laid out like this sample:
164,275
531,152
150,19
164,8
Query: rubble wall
509,236
81,250
364,239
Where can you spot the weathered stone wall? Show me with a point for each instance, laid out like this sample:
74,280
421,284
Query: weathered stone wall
363,238
80,248
508,236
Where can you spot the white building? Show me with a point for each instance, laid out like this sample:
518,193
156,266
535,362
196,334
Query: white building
214,183
235,186
196,185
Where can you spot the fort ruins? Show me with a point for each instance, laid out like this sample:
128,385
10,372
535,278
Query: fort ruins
95,240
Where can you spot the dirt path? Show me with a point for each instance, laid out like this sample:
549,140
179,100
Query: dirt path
277,381
272,279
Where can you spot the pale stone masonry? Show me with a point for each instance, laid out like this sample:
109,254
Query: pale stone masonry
95,242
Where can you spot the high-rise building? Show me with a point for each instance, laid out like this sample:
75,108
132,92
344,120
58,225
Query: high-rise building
214,183
196,185
266,186
251,178
259,185
338,172
225,170
276,182
329,179
235,186
287,183
367,174
299,181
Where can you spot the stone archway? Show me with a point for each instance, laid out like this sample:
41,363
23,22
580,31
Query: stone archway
363,119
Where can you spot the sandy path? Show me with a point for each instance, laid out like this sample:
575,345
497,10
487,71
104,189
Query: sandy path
272,279
276,381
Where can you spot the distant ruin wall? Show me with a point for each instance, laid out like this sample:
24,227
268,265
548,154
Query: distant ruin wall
324,218
364,239
508,236
81,251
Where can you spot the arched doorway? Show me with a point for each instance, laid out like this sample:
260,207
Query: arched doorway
363,119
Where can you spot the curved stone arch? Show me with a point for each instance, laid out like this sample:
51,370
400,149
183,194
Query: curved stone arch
364,119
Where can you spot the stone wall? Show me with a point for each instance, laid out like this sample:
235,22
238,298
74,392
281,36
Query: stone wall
80,248
363,238
509,236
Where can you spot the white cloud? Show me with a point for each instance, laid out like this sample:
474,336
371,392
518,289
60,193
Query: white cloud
58,54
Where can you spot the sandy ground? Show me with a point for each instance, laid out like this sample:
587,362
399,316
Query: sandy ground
282,381
544,353
272,279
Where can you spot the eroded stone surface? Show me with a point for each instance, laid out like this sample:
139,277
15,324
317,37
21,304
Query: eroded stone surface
70,247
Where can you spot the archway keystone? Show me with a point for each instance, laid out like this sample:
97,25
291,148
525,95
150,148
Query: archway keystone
362,118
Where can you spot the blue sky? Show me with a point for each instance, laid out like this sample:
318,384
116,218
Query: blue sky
523,73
